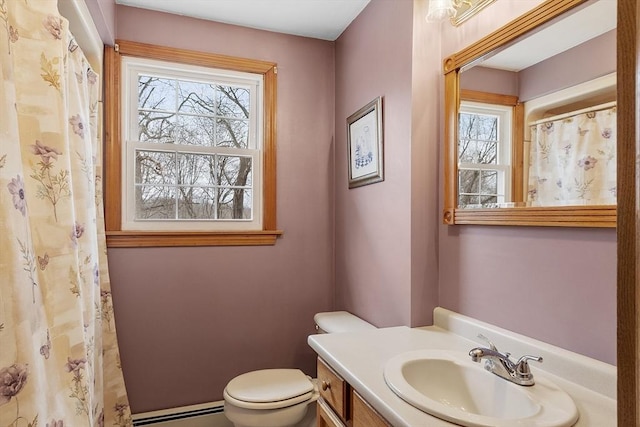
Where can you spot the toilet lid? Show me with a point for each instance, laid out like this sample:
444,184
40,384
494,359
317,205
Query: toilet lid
269,385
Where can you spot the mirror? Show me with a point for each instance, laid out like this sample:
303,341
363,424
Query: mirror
530,127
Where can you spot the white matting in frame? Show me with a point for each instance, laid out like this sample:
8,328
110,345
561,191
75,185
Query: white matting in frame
365,145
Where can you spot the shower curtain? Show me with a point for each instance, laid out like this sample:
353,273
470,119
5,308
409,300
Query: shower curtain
573,160
59,358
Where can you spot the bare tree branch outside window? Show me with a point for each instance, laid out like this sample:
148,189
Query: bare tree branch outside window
478,145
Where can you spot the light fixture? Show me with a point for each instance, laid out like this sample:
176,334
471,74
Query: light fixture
457,11
440,9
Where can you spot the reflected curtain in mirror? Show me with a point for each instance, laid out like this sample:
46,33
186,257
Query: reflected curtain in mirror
573,159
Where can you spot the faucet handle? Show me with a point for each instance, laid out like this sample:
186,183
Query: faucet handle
522,366
488,341
523,359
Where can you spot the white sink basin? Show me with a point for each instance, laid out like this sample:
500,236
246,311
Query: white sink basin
448,385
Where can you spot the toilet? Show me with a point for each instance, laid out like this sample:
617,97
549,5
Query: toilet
283,397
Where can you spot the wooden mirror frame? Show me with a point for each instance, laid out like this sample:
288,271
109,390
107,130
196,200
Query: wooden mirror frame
560,216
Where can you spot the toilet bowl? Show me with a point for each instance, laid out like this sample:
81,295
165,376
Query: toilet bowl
282,397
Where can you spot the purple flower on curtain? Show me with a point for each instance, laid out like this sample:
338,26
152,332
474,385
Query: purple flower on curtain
16,188
606,133
54,423
45,152
77,124
587,163
53,24
13,34
74,365
77,231
12,379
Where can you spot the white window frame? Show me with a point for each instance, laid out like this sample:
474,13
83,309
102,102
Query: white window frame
131,68
503,164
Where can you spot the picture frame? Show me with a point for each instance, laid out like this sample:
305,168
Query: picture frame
365,145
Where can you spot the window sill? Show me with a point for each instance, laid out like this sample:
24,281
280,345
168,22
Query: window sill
139,239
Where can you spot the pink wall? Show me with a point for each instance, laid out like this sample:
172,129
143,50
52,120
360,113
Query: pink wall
554,284
426,86
566,69
585,62
190,319
490,80
376,250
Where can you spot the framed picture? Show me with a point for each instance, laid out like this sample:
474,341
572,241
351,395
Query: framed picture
364,143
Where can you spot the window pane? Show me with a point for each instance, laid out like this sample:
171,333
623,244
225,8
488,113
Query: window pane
196,169
155,202
234,171
465,121
489,200
196,98
196,203
156,127
468,181
467,151
194,130
235,203
152,167
468,200
233,102
232,133
483,127
489,183
155,93
487,152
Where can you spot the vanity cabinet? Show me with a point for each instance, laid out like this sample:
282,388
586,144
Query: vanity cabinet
340,404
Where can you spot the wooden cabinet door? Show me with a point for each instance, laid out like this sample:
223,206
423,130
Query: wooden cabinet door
333,389
363,415
326,417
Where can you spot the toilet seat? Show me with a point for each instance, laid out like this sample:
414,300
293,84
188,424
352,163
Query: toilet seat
269,389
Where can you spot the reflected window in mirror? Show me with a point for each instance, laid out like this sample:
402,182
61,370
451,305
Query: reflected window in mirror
489,149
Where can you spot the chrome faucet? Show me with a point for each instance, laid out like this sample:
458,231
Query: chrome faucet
501,364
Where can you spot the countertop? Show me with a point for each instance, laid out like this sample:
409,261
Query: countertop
360,357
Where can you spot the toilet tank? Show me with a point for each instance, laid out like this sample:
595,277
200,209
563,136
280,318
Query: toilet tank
331,322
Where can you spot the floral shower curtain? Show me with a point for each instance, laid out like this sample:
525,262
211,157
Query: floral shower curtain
573,160
59,359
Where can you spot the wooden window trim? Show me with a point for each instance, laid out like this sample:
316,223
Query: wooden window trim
116,237
517,136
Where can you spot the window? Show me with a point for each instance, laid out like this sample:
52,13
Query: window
190,152
486,154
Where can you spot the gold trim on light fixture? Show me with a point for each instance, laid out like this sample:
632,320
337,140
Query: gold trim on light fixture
465,9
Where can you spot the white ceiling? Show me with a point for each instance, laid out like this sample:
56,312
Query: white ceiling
320,19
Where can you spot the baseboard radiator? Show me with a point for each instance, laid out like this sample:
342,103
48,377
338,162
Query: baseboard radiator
204,415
